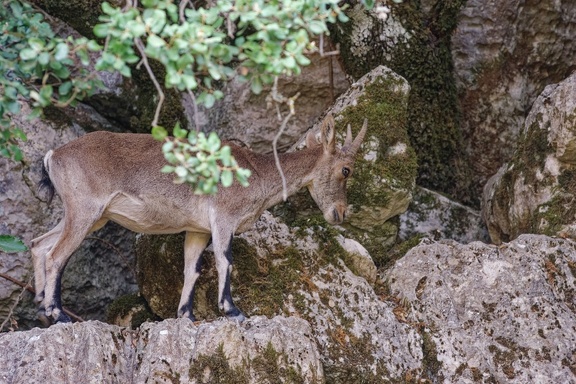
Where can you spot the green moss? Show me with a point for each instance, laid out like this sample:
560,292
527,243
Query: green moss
424,58
431,366
385,108
57,117
135,109
272,367
269,367
82,15
219,369
263,283
160,276
133,305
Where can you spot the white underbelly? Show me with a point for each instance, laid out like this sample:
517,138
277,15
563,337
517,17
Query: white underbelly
160,216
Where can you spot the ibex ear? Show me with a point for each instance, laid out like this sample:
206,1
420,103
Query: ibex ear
311,141
328,136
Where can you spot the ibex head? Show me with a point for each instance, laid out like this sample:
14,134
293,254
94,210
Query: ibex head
335,166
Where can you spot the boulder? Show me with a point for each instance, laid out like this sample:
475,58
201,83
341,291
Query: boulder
534,192
301,272
505,53
494,313
414,41
247,118
385,170
259,350
436,216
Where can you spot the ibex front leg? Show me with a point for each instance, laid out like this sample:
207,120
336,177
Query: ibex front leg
193,247
222,241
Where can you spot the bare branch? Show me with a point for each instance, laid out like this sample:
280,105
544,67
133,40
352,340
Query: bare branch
278,99
331,53
181,9
277,159
195,105
161,96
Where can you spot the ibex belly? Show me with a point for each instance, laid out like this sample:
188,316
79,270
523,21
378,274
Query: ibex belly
154,215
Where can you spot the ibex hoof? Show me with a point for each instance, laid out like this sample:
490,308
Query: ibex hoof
53,315
187,315
236,315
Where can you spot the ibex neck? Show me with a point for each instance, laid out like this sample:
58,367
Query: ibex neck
298,168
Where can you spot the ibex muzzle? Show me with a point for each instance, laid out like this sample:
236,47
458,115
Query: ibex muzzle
106,176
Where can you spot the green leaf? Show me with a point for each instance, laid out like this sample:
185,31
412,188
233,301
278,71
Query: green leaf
155,42
65,88
101,30
317,27
11,244
178,132
27,54
61,52
256,85
227,178
159,133
209,100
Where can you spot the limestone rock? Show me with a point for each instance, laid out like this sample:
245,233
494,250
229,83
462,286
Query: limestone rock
245,117
494,314
534,192
505,54
304,272
434,215
92,352
362,263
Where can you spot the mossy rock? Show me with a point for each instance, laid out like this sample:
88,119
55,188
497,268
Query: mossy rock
535,191
385,171
279,271
417,46
130,311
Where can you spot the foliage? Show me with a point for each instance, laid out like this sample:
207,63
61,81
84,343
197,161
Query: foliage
200,161
36,65
200,46
10,244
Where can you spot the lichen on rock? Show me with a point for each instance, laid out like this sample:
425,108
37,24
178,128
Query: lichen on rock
534,192
495,313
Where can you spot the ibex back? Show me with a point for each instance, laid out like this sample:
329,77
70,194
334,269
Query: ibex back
106,176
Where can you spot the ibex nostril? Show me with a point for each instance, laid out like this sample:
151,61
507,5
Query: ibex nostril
335,215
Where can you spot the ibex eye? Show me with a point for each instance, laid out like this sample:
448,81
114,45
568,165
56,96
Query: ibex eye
346,171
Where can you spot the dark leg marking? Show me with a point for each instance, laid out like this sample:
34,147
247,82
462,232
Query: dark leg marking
231,310
188,307
58,315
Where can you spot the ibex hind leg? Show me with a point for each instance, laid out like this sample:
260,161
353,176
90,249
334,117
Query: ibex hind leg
74,230
40,247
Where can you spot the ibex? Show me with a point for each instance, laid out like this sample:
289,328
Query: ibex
104,176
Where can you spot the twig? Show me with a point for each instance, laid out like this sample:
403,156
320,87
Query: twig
195,105
18,299
280,99
140,47
181,9
331,53
29,288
